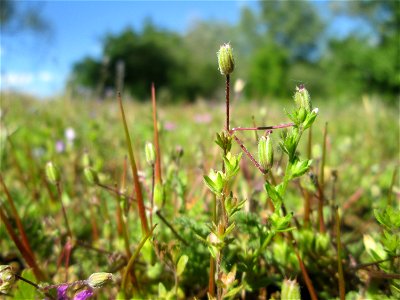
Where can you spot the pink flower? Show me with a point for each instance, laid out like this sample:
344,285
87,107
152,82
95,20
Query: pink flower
203,118
83,295
62,292
169,126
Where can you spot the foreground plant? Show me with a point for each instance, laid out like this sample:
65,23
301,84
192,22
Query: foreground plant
220,182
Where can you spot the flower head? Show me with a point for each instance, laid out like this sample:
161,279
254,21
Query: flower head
83,295
62,292
225,59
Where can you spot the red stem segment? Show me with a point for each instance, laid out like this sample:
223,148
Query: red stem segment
156,139
138,188
227,101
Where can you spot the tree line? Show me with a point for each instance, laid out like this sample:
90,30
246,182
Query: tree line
276,46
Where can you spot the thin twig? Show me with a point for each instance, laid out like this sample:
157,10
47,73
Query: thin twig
262,127
172,228
258,166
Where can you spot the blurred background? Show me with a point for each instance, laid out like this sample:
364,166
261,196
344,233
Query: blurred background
341,50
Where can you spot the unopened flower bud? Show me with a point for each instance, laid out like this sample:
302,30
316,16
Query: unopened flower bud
302,98
97,280
225,59
86,160
52,173
290,290
150,153
265,152
91,175
159,194
6,279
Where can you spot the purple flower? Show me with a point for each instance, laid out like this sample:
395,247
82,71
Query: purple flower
83,295
60,147
62,292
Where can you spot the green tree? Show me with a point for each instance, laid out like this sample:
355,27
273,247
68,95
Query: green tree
19,16
367,61
294,25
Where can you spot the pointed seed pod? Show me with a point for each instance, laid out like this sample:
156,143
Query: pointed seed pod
290,290
52,173
225,59
97,280
91,175
302,98
150,153
265,152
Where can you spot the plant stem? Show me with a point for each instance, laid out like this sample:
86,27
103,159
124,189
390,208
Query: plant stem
321,184
58,185
227,93
262,127
133,258
254,161
152,195
156,139
34,285
172,228
342,291
211,279
138,189
14,211
25,254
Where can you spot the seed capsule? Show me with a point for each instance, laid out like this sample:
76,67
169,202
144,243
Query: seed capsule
302,98
52,173
97,280
265,152
225,59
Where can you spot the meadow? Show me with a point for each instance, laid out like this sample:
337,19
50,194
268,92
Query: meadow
333,233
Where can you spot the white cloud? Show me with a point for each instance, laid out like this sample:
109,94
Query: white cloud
45,76
23,79
16,79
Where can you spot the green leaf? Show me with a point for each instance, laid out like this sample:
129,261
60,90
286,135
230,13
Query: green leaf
299,168
229,229
25,290
211,185
233,291
181,264
162,291
274,195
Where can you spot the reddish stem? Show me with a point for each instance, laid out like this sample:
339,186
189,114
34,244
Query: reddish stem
258,166
227,101
156,139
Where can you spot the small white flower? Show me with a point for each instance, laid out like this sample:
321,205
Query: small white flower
239,85
70,134
315,110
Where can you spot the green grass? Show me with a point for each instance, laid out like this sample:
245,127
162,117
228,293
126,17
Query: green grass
362,150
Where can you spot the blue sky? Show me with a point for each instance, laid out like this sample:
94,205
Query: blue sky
41,65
